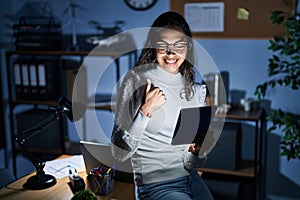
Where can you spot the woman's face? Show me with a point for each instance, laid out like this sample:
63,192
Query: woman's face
171,50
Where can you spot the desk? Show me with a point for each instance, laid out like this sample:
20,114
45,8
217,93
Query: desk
61,190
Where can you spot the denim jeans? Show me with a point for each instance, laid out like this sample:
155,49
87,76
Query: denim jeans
184,188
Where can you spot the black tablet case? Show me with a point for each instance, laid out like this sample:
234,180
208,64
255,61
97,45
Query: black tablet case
192,125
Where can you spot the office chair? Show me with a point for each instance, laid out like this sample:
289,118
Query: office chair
6,177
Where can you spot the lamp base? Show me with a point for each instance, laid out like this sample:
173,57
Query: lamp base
39,182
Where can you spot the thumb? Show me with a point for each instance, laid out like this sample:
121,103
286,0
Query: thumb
148,87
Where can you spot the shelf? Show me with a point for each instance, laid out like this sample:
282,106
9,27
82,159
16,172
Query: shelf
239,114
42,151
101,106
245,168
114,54
48,103
245,173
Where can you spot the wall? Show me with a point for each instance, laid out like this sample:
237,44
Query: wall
246,60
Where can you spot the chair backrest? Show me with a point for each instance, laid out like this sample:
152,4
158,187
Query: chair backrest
6,176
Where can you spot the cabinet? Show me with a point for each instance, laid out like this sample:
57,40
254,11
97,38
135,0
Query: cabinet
247,171
59,87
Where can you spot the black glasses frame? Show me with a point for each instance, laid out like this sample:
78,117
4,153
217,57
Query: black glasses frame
178,47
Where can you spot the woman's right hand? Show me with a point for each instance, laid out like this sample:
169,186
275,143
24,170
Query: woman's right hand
154,99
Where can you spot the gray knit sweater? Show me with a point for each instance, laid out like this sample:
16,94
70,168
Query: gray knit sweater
147,141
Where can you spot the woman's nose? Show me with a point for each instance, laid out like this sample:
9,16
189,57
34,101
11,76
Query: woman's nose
170,50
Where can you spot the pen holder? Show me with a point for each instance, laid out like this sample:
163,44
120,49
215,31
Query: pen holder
102,184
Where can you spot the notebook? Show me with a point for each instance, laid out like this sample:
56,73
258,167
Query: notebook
96,154
193,124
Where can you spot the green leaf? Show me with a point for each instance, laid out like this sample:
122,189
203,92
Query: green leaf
287,80
295,85
276,58
272,83
297,44
280,112
272,128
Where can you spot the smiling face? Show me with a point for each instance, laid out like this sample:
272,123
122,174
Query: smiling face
171,50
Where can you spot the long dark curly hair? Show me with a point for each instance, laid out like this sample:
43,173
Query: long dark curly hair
174,21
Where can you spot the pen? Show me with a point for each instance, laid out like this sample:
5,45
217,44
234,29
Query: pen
107,172
75,173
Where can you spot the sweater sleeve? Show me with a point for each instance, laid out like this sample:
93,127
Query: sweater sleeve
191,161
129,122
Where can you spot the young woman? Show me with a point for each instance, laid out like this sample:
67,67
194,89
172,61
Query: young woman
148,105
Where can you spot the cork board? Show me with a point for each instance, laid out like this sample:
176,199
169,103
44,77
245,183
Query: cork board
244,19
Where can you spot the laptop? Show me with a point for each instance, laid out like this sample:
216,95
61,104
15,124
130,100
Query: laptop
192,125
96,154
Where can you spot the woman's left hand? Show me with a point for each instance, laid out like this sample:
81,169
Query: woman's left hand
207,144
194,149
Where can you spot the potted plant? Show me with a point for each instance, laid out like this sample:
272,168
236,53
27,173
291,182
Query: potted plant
84,195
284,71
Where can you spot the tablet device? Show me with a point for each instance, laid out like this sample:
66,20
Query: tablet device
192,125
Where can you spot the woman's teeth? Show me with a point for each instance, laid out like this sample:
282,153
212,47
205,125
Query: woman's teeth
170,61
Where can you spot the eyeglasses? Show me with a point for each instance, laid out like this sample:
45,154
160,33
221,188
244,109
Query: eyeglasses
178,47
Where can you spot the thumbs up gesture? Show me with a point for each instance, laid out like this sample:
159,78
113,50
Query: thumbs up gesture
154,99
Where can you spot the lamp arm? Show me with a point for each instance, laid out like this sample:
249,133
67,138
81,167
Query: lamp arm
22,138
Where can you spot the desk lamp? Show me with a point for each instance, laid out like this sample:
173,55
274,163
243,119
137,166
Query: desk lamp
42,180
